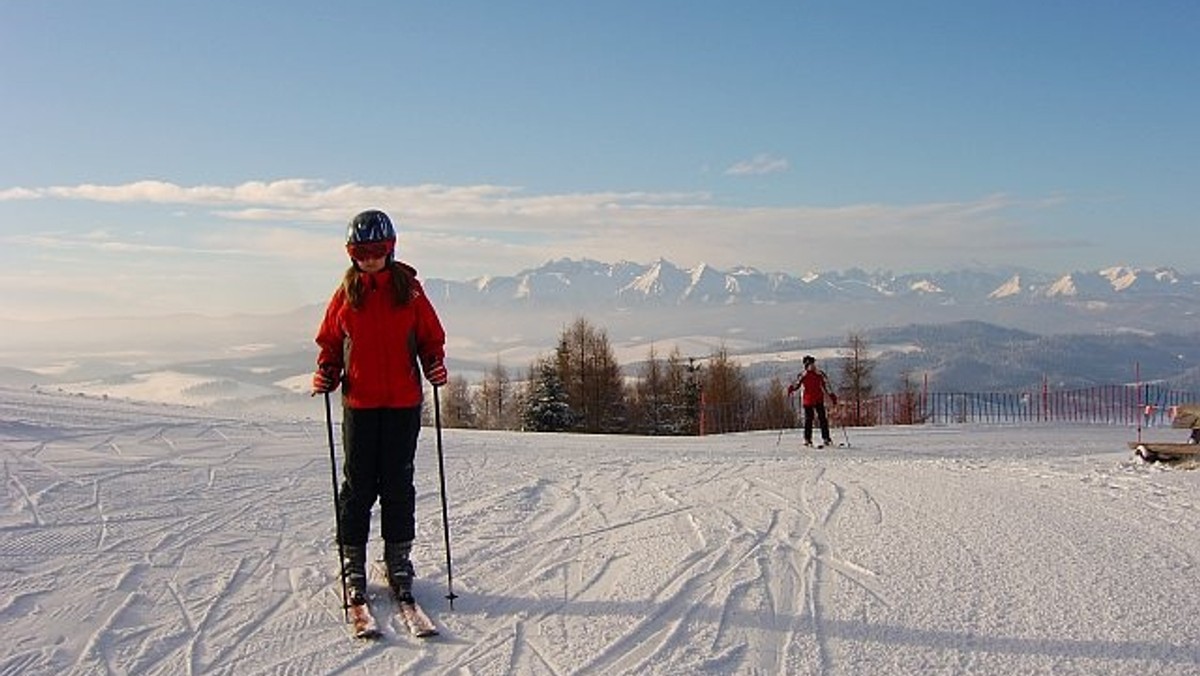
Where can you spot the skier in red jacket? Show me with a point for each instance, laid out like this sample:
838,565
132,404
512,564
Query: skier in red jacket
379,333
813,386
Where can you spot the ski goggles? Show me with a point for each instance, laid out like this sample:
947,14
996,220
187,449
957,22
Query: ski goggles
365,251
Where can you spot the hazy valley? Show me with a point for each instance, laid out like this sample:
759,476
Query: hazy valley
967,330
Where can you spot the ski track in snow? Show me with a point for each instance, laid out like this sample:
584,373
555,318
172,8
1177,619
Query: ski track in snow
146,539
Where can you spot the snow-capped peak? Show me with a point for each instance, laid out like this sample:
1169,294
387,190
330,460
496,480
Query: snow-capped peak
1065,286
1120,277
1010,288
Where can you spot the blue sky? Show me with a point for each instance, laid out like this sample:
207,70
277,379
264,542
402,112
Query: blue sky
162,157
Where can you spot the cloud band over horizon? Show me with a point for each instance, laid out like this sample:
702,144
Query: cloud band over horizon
460,232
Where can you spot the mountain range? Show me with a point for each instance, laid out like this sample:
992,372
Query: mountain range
966,330
628,284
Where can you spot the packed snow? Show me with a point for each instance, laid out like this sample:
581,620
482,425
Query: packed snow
157,539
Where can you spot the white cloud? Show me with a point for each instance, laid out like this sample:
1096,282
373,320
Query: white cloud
264,216
284,237
15,194
758,165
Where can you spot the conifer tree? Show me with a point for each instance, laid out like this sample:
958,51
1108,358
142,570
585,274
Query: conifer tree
546,406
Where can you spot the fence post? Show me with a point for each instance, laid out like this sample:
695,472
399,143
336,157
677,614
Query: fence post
1044,414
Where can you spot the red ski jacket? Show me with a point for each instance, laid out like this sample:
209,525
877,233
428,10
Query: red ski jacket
812,385
381,346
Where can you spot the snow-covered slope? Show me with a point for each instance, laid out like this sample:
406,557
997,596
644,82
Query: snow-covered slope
150,539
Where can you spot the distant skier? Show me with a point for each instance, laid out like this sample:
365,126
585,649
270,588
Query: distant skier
813,386
378,327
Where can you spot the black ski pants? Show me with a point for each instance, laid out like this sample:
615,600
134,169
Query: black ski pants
822,420
379,445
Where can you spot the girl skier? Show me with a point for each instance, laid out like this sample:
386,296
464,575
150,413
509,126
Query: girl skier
378,328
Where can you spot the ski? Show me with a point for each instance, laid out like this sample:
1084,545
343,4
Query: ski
360,618
408,610
414,618
362,621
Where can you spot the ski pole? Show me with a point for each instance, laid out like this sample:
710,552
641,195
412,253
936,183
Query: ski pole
437,422
336,515
782,423
791,414
841,420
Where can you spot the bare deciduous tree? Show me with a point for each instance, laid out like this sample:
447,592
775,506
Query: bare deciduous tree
856,386
495,404
592,378
728,399
457,410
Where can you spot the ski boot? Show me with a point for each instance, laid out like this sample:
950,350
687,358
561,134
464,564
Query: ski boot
399,568
354,561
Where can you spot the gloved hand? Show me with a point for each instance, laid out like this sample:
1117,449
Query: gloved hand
833,398
326,379
435,372
791,389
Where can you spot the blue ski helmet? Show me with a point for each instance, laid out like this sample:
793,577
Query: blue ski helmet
370,226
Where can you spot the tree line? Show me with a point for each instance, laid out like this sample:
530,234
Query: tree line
580,387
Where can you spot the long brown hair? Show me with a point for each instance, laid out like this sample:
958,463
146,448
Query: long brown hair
402,284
